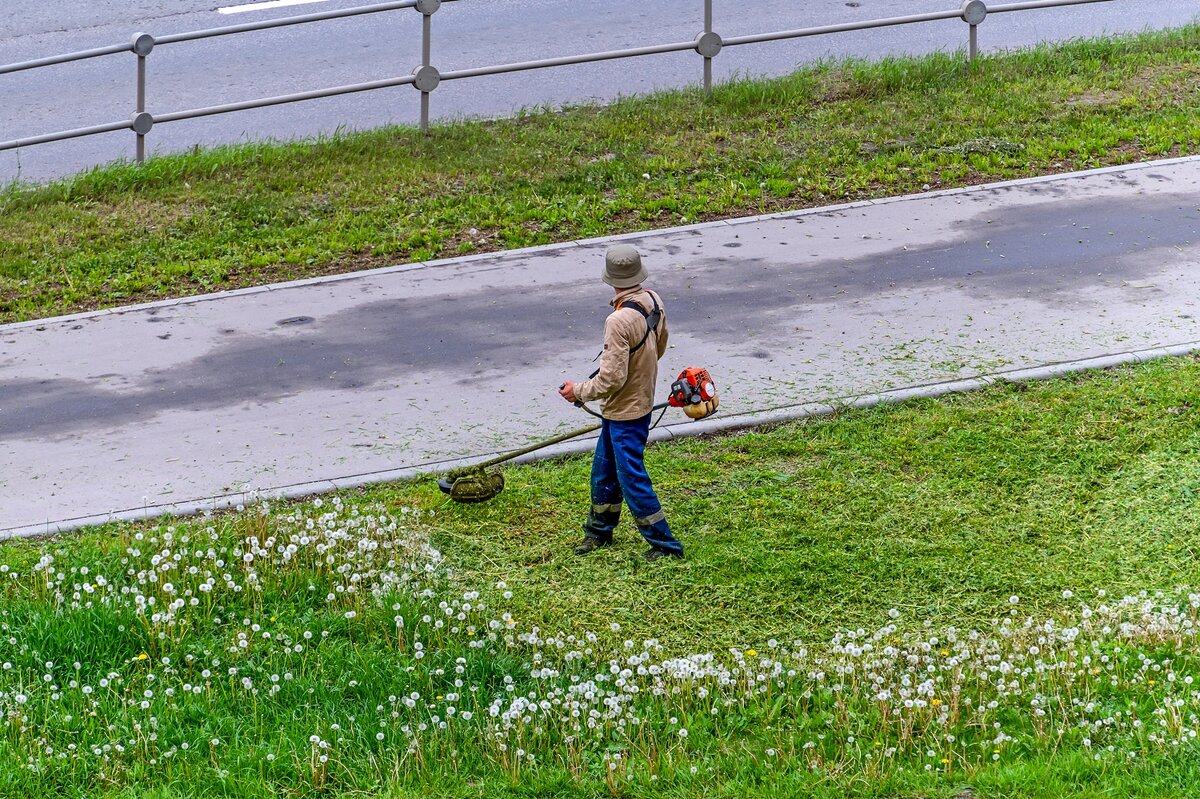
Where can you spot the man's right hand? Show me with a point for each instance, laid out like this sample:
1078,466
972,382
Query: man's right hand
567,392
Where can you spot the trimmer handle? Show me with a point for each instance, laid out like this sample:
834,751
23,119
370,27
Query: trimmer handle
579,404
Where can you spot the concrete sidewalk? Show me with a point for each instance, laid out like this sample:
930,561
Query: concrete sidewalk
204,402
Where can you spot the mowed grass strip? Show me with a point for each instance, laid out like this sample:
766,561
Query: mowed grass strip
942,508
258,213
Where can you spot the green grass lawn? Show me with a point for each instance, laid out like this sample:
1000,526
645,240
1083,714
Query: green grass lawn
983,595
258,213
987,595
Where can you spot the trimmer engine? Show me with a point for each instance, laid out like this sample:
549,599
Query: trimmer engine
695,392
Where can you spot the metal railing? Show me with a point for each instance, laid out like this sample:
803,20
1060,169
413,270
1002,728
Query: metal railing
425,77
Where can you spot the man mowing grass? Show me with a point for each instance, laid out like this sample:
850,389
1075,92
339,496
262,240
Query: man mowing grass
635,337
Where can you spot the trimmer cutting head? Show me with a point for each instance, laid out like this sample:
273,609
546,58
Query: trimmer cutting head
473,484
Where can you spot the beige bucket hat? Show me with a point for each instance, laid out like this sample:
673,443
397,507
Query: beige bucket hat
623,267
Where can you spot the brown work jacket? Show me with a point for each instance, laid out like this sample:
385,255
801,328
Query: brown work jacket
625,383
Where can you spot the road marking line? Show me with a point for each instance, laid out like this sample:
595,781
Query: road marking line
265,5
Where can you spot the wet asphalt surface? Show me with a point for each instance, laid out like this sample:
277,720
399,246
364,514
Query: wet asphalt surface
367,343
262,390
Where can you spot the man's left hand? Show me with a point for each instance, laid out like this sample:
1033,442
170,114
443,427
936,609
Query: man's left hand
567,392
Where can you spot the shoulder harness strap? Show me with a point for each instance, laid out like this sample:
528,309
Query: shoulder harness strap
652,317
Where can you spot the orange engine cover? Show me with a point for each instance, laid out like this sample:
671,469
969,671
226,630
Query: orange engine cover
695,392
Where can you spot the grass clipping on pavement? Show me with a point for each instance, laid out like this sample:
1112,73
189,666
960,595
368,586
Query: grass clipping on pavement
253,214
983,595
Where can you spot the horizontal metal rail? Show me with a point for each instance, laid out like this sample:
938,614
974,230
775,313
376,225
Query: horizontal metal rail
351,88
281,22
66,58
935,16
589,58
195,113
208,33
426,77
66,134
1035,4
756,38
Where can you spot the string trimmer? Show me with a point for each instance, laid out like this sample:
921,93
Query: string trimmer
693,391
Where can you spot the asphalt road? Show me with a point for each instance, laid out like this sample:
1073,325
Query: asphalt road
306,386
466,33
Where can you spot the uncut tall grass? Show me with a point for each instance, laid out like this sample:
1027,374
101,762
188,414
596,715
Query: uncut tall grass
325,649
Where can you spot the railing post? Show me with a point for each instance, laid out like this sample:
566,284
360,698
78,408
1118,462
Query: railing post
708,26
427,76
141,44
973,13
708,44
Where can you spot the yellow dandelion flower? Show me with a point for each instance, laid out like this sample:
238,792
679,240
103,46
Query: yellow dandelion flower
142,656
751,652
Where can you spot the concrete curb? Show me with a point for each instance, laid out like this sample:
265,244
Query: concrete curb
707,427
466,259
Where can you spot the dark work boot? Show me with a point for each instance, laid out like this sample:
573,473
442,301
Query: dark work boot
654,553
598,530
590,545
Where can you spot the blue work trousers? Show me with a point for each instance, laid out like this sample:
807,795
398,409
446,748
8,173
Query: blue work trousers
619,473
